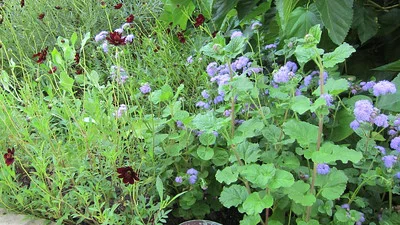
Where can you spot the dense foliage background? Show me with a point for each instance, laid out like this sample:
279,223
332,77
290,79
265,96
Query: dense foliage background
161,111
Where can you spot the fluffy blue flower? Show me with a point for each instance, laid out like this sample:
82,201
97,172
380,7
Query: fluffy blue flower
383,87
389,160
205,94
178,180
145,88
354,125
212,69
192,171
381,121
236,34
323,168
328,98
395,144
192,179
363,110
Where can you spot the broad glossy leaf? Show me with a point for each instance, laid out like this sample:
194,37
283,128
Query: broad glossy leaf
221,8
285,7
393,66
365,21
342,130
337,17
301,20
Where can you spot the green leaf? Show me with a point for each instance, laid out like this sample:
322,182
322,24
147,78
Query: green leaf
337,17
5,80
259,10
207,138
254,204
57,58
205,153
305,54
73,38
206,8
235,47
177,11
244,7
66,82
299,193
272,133
248,152
391,101
84,40
160,187
285,7
93,77
301,20
300,104
215,49
247,129
233,195
342,130
332,185
250,219
227,175
221,157
258,175
330,153
282,178
220,9
305,133
340,54
365,21
310,222
393,66
207,122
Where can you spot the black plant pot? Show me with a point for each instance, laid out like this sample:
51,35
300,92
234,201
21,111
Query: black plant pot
200,222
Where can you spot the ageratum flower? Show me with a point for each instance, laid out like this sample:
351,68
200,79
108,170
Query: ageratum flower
256,25
100,36
383,87
365,86
192,171
178,180
192,179
381,121
115,38
354,125
199,20
41,55
395,144
323,168
363,110
389,160
145,88
9,156
128,175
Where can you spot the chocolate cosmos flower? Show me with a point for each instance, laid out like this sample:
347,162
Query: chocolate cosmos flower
118,6
42,55
128,175
199,20
130,18
9,156
115,38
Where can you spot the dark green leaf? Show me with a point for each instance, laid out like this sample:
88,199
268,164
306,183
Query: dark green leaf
259,10
244,7
343,117
301,20
365,21
221,8
337,17
393,66
285,7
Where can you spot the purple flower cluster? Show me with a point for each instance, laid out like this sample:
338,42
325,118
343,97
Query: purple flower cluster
285,73
145,88
236,34
118,74
323,168
383,87
192,175
389,160
395,144
361,220
364,111
328,98
270,46
256,25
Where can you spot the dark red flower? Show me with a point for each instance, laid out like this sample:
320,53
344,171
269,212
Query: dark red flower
41,16
130,18
118,6
214,34
53,70
128,175
58,7
77,58
79,71
115,38
22,2
41,55
181,37
199,20
9,156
